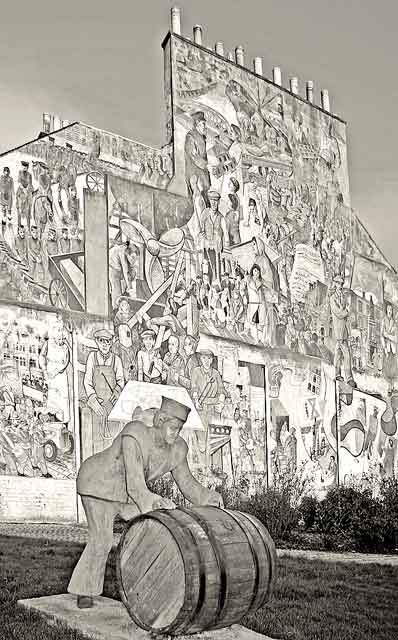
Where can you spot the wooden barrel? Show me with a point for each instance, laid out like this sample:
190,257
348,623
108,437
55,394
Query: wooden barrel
187,570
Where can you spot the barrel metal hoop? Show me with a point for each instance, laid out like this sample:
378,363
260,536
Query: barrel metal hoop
268,550
202,579
251,544
220,563
157,516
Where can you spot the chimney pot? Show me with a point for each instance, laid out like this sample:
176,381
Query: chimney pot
277,76
197,34
240,56
176,20
325,100
57,123
258,66
294,85
47,121
219,48
310,91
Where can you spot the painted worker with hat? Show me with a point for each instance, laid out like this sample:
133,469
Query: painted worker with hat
149,362
24,195
114,482
103,381
213,233
196,161
340,316
207,386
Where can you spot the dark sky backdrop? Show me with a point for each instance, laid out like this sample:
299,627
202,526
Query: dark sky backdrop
100,61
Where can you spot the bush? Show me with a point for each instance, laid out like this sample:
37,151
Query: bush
389,499
276,506
308,510
349,517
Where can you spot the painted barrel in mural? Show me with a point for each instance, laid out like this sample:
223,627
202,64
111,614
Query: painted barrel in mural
187,570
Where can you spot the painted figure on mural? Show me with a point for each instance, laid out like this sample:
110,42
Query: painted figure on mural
126,346
122,269
6,192
232,220
114,482
212,232
207,386
371,433
54,360
37,259
21,244
389,343
340,316
173,364
149,362
192,360
103,383
52,243
196,162
24,195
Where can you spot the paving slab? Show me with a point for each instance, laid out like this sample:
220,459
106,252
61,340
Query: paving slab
108,619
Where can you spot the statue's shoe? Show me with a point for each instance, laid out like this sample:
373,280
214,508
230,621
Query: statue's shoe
85,602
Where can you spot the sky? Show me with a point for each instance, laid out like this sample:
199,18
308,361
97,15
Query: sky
101,62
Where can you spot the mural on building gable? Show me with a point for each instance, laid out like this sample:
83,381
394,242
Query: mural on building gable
254,296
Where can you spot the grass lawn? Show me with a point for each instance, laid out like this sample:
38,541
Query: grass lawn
312,600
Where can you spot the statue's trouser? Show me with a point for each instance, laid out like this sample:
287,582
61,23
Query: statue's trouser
88,576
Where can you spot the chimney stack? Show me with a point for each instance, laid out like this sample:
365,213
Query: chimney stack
176,20
197,34
57,123
65,123
310,91
325,100
258,66
47,123
219,48
240,56
294,85
277,76
231,56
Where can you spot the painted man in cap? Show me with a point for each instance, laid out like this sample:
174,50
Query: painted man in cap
207,385
103,382
122,263
213,233
24,195
149,363
340,316
196,155
6,192
208,391
114,482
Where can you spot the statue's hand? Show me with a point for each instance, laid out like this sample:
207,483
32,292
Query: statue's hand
162,503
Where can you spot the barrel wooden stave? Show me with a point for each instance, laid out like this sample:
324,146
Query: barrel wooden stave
220,568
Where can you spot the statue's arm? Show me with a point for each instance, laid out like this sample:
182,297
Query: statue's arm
136,485
191,489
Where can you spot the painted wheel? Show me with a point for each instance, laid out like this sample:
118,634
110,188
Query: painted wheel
95,181
50,451
58,293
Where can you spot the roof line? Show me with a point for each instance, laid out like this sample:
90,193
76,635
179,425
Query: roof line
40,137
253,73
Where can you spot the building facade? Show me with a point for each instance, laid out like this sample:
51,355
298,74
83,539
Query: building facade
226,269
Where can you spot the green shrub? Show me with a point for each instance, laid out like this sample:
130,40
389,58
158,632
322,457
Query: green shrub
308,509
351,517
389,499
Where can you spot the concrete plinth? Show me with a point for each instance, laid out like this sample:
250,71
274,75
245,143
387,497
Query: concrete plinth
109,619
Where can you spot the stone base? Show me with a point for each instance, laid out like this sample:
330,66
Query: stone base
109,619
